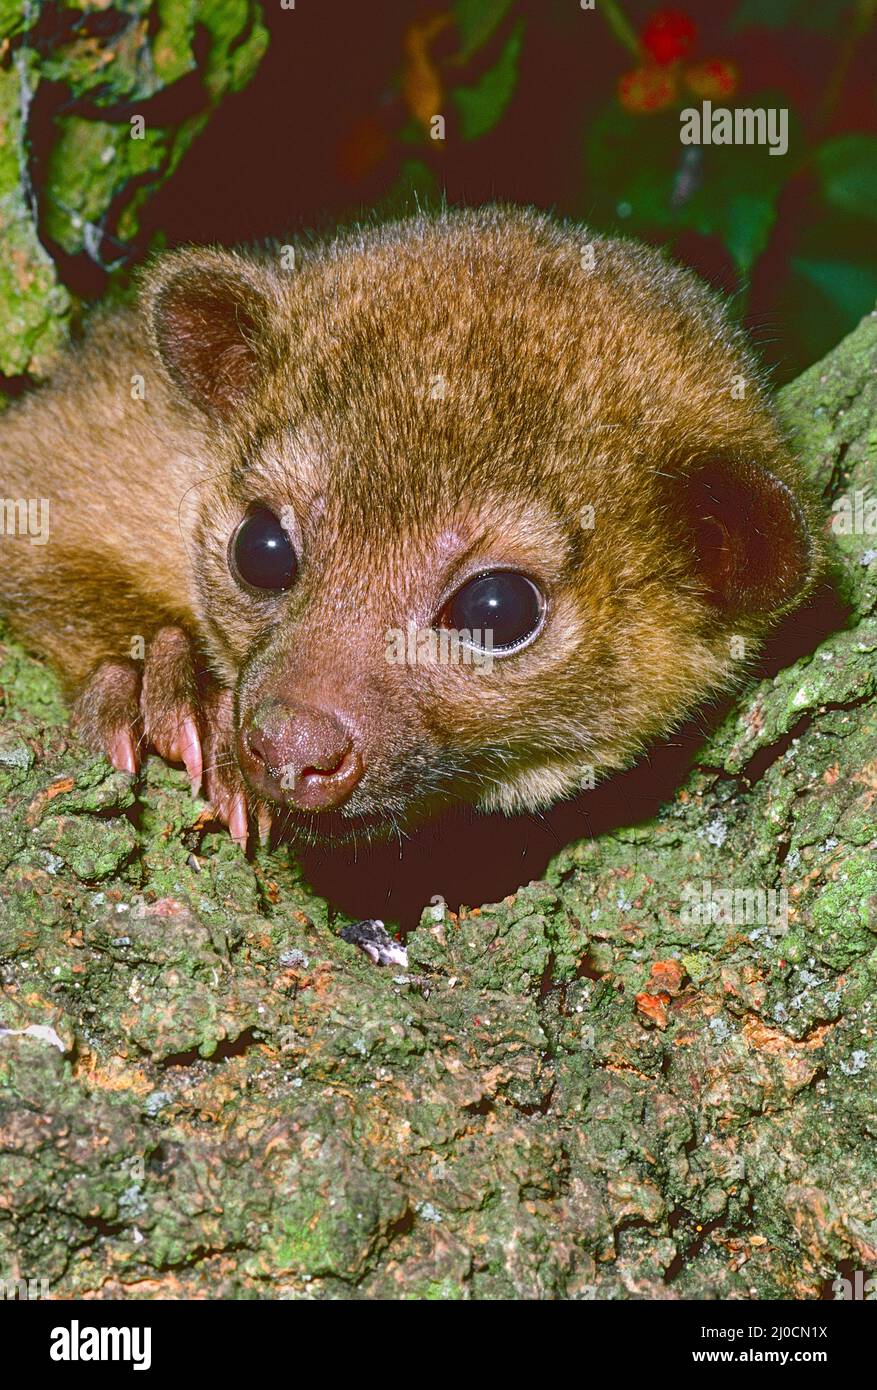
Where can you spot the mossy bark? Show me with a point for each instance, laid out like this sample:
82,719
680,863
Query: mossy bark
94,118
581,1091
578,1092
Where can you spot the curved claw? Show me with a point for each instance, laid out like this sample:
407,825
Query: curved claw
191,754
263,821
121,751
237,820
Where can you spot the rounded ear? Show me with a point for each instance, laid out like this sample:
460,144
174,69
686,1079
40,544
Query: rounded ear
754,547
209,317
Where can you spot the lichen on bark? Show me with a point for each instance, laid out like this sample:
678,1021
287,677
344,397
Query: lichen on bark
581,1091
73,79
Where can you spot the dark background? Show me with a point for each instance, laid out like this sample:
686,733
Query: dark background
333,127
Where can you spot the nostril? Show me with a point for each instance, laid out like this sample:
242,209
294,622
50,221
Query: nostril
322,771
332,764
301,754
259,746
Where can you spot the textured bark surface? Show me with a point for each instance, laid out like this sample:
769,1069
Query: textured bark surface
578,1092
76,165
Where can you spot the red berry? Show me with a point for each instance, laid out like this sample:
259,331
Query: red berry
714,79
669,35
646,90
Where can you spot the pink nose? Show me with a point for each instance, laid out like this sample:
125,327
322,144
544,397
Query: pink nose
299,756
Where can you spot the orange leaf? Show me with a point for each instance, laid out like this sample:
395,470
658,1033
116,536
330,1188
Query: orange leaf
421,80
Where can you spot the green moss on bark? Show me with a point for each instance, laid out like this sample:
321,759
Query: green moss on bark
581,1091
96,174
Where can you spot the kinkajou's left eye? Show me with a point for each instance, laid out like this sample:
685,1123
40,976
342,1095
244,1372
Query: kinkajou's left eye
261,554
503,603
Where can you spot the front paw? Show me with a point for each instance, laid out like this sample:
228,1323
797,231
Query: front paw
125,712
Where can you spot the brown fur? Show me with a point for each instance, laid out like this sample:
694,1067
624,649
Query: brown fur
566,388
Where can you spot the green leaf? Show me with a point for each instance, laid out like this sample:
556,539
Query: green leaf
851,288
745,224
635,164
772,14
415,189
847,167
782,14
12,18
476,21
481,105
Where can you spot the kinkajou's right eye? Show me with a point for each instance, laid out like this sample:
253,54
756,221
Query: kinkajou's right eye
261,554
503,603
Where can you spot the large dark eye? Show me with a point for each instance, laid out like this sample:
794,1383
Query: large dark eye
505,604
261,552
